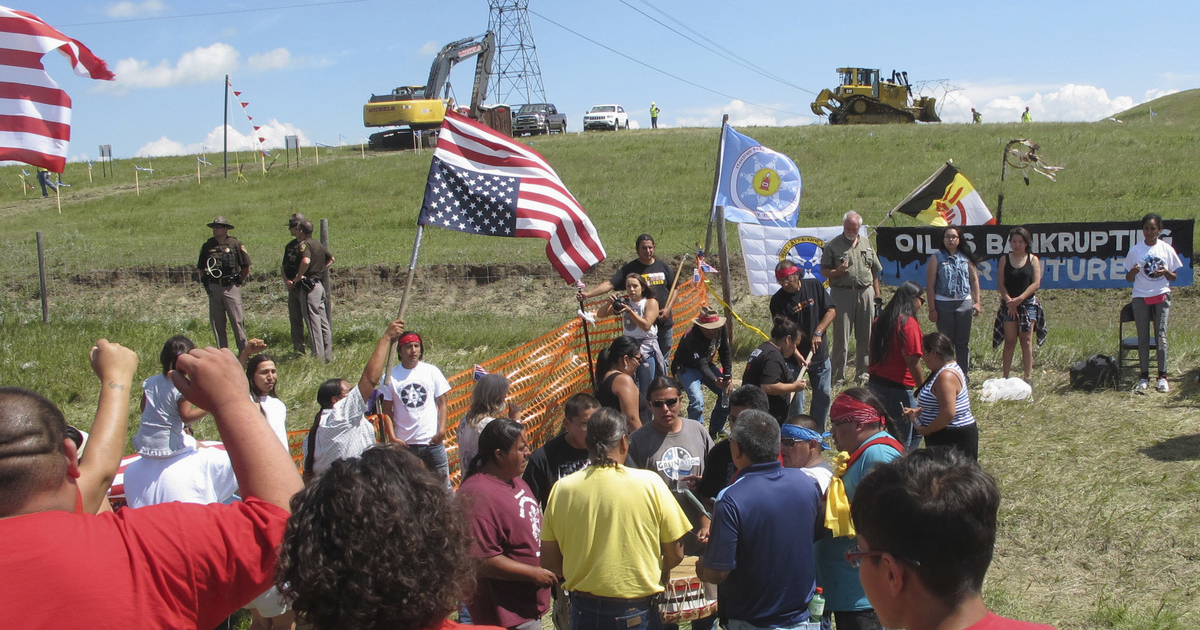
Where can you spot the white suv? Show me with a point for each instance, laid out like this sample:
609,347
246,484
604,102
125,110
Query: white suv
606,117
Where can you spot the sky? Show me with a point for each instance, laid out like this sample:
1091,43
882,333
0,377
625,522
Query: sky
307,67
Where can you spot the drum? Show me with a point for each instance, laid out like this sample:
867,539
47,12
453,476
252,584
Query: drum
685,597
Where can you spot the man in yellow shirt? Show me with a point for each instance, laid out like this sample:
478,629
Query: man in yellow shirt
611,531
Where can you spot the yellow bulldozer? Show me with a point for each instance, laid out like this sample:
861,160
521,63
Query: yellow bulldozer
864,99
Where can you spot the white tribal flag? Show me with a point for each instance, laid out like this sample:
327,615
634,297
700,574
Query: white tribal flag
763,247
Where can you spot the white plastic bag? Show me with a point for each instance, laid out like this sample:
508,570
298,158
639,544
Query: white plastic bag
1005,389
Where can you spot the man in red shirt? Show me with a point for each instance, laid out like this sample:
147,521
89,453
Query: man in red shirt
926,527
166,566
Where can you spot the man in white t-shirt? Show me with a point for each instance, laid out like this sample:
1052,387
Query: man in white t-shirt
418,394
194,474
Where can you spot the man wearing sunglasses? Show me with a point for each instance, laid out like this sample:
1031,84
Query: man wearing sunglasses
676,448
926,530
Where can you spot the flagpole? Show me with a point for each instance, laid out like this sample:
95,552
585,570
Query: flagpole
1003,172
412,268
587,342
716,182
225,128
723,244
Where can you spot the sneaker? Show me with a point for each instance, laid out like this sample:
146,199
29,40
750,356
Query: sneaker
1142,385
1162,386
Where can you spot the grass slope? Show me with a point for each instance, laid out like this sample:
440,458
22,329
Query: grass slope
1100,490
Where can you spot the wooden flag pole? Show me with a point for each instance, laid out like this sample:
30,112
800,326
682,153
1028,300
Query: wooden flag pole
723,246
58,196
716,182
412,268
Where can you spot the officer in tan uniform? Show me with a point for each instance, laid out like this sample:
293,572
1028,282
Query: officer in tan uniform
224,265
314,260
290,268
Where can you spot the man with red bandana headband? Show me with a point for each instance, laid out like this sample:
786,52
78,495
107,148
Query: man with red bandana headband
418,392
805,301
859,428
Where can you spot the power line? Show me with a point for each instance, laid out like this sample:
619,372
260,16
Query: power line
191,15
664,72
723,52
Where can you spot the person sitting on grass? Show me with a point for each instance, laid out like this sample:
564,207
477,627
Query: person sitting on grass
926,528
376,543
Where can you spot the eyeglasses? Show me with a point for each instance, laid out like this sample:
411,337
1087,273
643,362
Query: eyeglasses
922,300
855,557
789,442
665,402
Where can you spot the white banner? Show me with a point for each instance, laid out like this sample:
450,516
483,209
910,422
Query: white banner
763,247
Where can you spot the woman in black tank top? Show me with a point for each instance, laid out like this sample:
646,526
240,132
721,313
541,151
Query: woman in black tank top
1020,312
616,366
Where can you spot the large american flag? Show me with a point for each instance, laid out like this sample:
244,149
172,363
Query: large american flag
35,115
481,182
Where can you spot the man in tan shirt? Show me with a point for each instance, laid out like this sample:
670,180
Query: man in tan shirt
852,268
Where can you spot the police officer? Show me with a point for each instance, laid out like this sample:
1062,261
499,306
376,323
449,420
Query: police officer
224,265
291,266
314,260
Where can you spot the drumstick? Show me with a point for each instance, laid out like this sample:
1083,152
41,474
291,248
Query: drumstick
696,502
675,284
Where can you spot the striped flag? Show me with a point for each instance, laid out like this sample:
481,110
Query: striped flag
479,372
481,182
35,115
946,198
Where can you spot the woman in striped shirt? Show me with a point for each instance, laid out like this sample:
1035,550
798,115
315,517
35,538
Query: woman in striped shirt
943,413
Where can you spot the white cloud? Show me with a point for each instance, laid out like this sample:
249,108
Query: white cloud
429,49
202,64
134,9
1068,103
1157,93
741,114
273,134
278,58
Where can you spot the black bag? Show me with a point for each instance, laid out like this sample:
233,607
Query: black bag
1098,372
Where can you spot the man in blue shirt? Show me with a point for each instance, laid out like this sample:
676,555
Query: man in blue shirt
760,549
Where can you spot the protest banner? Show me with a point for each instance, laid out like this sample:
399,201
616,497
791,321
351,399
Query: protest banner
1073,255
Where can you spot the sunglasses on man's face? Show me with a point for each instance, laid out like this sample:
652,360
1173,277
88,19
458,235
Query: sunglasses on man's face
665,402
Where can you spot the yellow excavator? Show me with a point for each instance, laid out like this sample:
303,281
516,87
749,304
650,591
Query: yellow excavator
424,106
864,99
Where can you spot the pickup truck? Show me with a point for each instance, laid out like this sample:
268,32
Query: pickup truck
537,118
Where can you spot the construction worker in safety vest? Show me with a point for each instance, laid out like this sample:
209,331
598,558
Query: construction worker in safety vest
1025,117
653,115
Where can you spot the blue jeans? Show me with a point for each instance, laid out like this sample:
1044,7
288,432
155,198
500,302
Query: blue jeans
588,613
894,400
434,457
819,382
738,624
694,386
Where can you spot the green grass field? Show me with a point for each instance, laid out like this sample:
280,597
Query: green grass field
1100,490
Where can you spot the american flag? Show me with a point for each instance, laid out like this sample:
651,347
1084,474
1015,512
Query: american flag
35,115
481,182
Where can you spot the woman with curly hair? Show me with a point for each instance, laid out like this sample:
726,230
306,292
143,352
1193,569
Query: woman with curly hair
489,400
513,589
376,543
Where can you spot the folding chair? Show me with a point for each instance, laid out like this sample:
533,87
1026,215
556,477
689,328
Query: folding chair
1129,346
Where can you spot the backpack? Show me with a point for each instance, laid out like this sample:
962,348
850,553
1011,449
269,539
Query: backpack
1099,371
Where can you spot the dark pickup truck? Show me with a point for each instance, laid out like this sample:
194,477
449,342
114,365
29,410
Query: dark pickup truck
537,118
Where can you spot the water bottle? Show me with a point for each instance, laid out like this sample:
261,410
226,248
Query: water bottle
816,606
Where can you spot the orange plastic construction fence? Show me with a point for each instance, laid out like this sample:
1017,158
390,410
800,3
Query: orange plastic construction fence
547,371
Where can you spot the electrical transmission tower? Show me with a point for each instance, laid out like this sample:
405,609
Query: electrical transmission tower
516,74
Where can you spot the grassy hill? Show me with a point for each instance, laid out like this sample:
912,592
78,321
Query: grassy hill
1100,490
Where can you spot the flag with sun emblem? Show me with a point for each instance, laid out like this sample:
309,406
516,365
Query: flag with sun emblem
757,185
946,198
